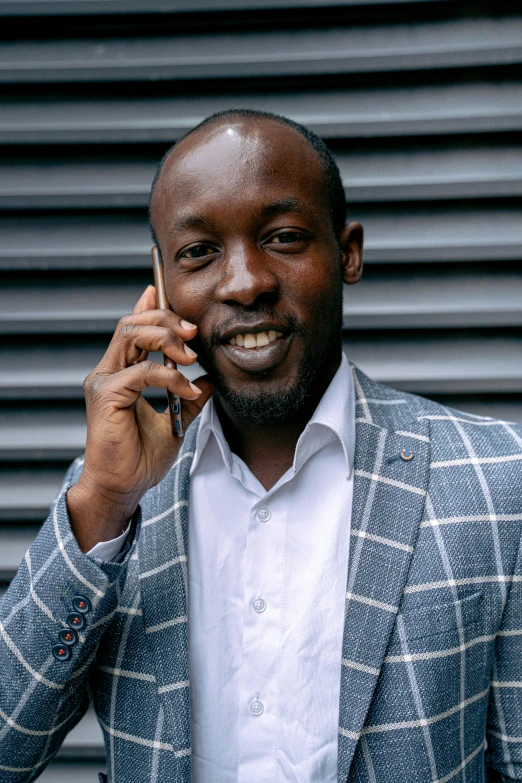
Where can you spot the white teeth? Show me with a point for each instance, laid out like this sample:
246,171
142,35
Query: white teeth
248,340
262,339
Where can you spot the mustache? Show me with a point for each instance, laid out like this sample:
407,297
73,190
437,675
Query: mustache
249,319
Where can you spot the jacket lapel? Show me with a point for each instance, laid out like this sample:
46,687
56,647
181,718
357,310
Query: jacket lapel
162,553
388,501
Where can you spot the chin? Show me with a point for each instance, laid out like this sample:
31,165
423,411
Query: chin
266,401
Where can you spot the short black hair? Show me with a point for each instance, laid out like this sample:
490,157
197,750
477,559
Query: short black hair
331,171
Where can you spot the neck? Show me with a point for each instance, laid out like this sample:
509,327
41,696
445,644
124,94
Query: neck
268,450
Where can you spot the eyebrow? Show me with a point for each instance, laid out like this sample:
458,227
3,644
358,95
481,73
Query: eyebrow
281,207
269,211
187,222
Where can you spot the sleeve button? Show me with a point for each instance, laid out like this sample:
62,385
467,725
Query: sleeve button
68,637
75,620
61,652
81,604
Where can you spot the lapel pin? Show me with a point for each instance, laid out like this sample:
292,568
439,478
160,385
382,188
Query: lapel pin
406,455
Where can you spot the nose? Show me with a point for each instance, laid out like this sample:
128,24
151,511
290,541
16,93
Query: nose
247,277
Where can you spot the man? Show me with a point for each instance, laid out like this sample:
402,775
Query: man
323,581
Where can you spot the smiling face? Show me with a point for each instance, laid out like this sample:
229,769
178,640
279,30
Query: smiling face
241,212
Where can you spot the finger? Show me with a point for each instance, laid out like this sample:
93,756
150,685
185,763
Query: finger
122,388
158,317
132,342
147,300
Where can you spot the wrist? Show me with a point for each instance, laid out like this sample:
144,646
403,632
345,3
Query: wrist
97,514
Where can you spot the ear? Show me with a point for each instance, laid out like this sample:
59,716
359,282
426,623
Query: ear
351,240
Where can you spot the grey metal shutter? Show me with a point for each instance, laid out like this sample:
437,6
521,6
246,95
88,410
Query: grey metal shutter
422,103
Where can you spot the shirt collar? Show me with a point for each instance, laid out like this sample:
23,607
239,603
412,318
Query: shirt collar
333,417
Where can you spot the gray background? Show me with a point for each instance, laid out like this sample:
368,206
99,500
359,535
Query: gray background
422,104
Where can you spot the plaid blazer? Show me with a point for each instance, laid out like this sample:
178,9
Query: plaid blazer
431,683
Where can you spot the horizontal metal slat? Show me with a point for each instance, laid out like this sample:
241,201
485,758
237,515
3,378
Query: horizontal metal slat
434,364
441,363
78,771
42,434
507,408
394,47
418,173
383,299
386,175
399,300
27,494
375,112
85,740
14,542
122,241
67,305
64,184
77,7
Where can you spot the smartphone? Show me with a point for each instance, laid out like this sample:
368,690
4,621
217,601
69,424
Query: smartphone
163,304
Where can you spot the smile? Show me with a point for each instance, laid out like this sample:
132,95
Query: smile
257,351
250,341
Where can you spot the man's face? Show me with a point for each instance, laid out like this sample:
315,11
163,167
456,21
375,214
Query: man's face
251,257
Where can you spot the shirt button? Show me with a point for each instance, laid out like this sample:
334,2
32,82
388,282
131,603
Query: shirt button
264,514
257,707
259,605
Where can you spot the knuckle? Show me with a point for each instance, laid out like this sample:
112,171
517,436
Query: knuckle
87,383
148,367
129,331
94,384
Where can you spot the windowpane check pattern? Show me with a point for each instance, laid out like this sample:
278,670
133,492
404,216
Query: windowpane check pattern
431,664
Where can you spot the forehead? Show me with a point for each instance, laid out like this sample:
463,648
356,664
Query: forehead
240,163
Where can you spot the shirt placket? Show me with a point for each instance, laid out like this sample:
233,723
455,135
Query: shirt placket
262,642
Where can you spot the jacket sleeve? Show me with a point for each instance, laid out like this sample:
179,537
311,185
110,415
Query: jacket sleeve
43,679
504,732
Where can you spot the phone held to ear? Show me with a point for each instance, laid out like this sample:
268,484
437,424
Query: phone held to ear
163,304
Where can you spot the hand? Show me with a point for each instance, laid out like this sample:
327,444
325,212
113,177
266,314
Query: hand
130,448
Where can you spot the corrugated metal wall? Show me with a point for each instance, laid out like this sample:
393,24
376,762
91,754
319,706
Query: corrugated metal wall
422,103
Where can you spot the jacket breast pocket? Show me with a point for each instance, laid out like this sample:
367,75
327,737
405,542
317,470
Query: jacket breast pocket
422,620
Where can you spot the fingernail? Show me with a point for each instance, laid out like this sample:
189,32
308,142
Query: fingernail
188,325
190,353
195,388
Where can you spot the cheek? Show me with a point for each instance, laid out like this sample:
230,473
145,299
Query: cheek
316,293
188,296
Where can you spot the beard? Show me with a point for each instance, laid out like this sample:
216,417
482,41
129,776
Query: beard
259,407
283,402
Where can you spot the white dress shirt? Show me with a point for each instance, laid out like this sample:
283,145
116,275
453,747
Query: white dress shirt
267,583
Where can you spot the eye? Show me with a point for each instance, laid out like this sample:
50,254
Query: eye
197,251
286,238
